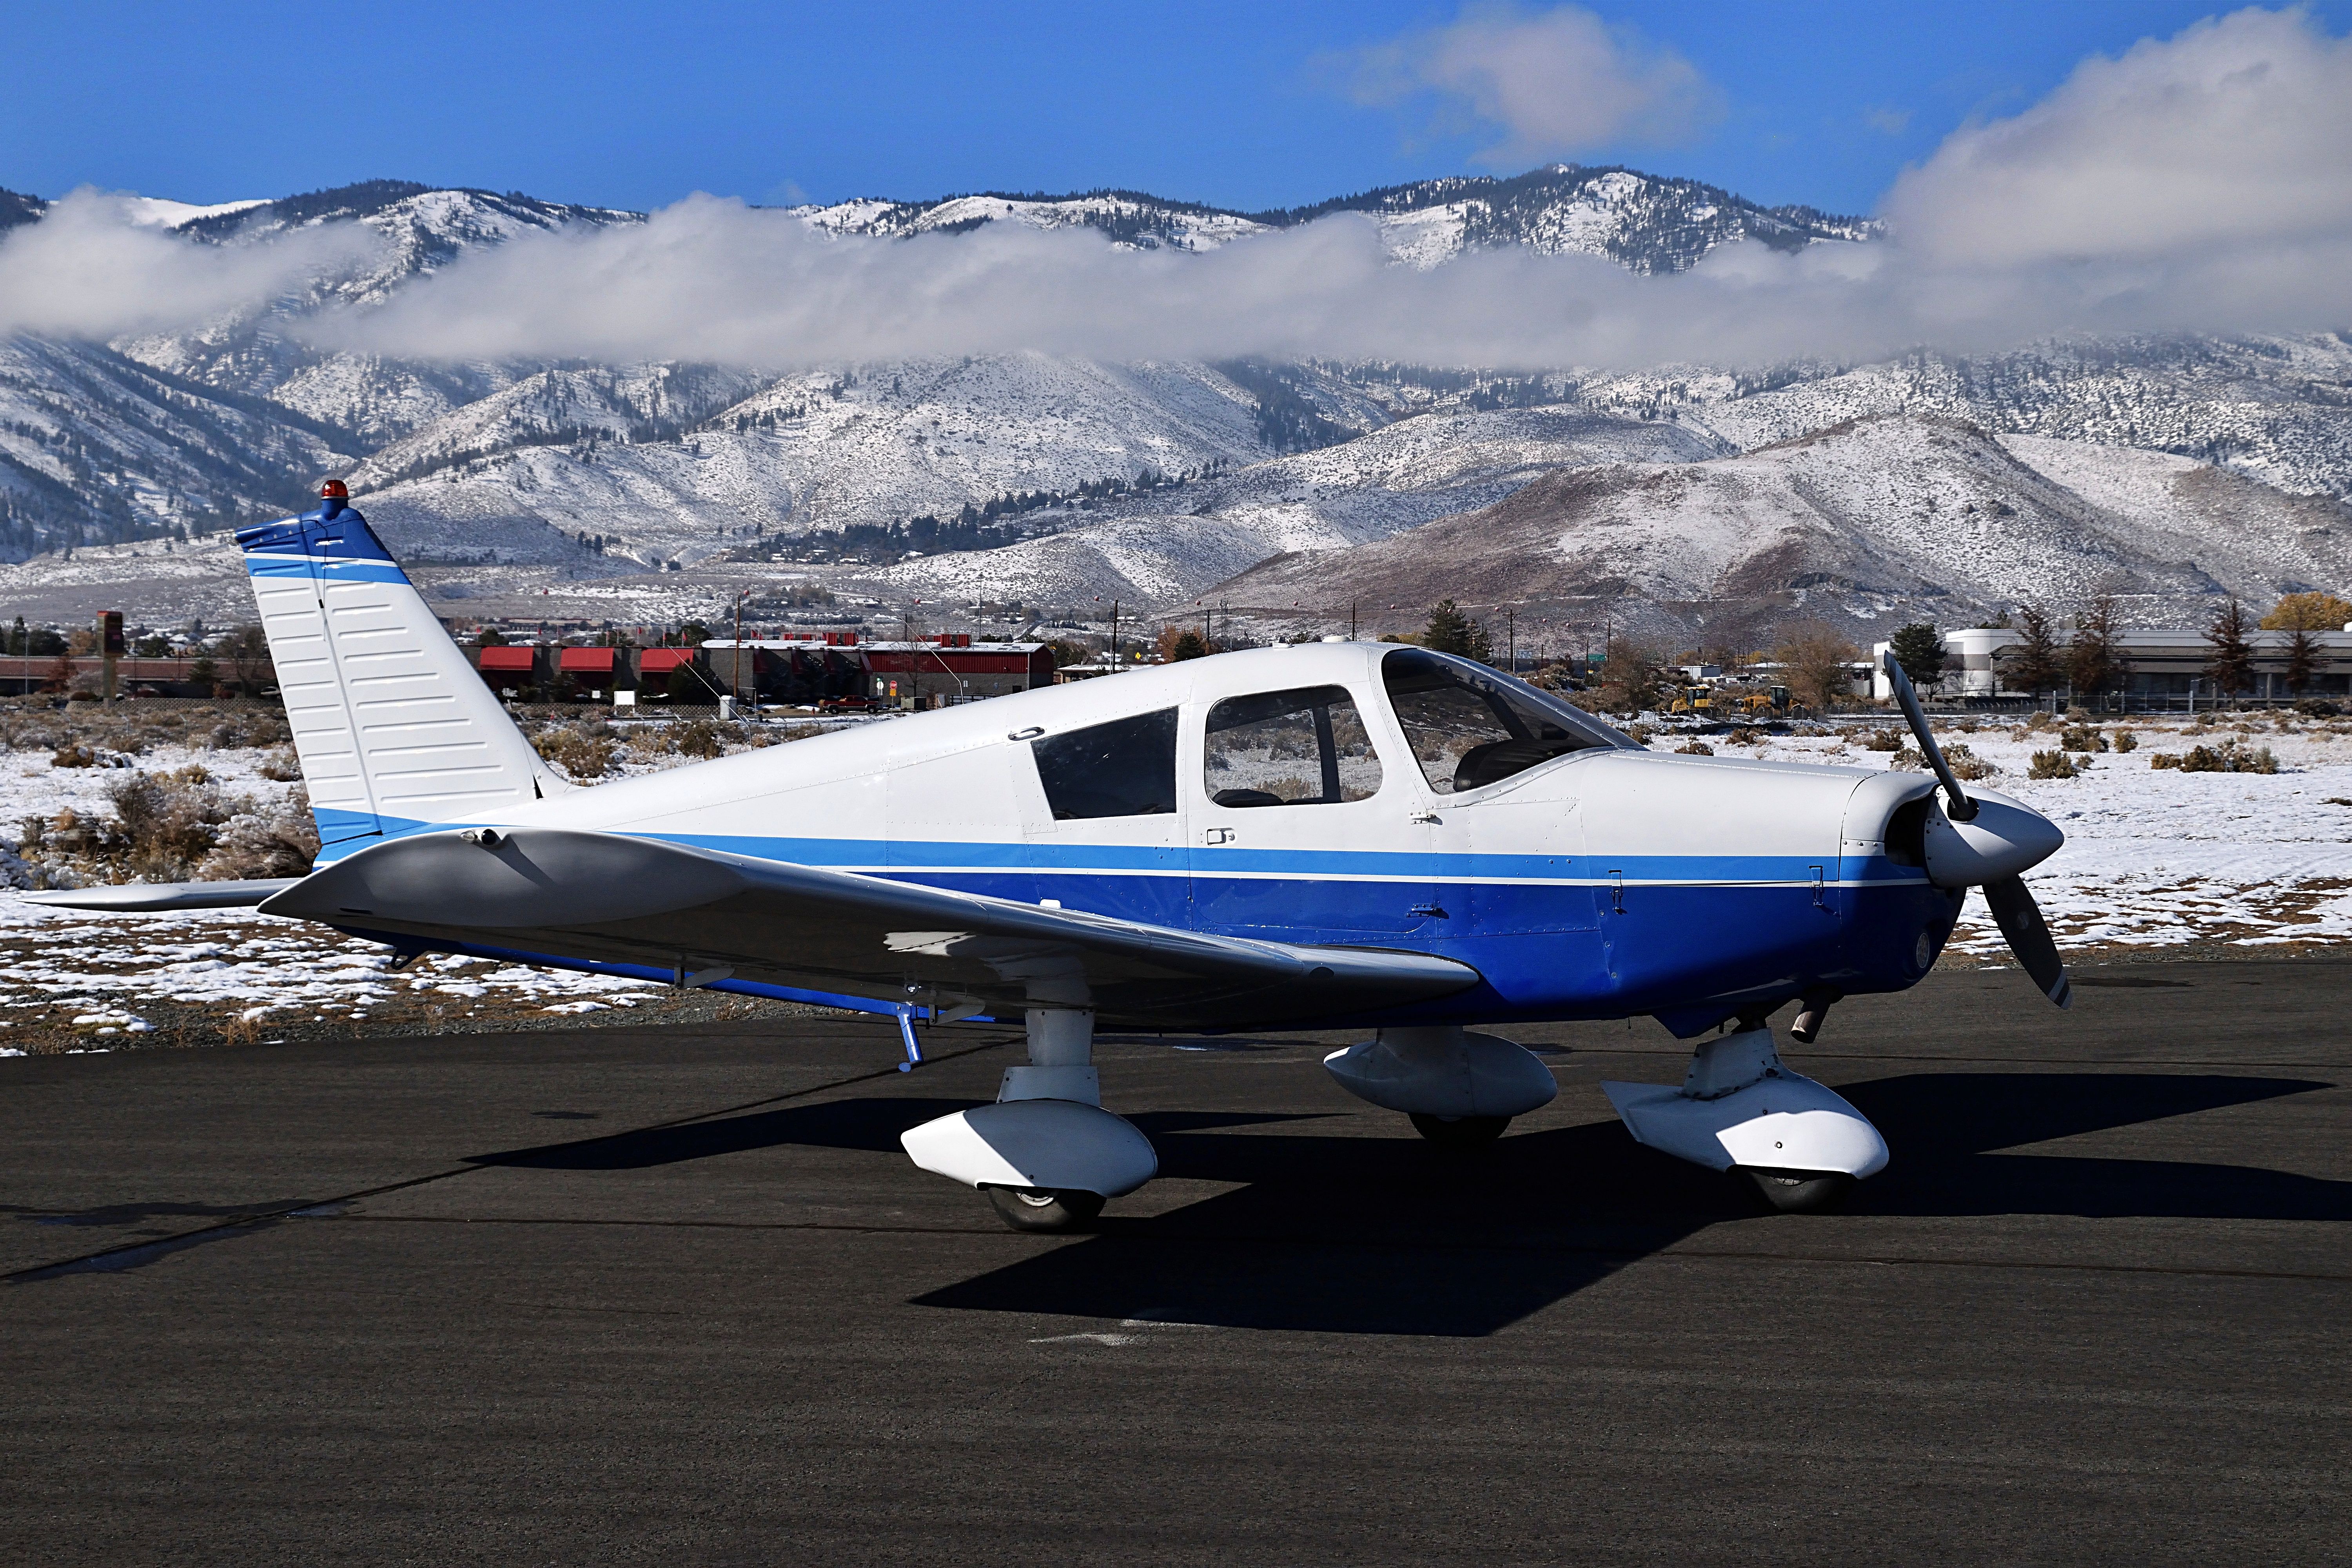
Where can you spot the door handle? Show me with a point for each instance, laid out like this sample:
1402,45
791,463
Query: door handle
1219,836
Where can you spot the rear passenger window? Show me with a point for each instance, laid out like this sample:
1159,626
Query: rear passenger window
1305,747
1124,768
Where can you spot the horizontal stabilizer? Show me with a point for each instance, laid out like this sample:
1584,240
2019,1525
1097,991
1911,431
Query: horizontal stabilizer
147,898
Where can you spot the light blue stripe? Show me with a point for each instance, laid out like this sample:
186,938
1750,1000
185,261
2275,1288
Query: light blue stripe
327,568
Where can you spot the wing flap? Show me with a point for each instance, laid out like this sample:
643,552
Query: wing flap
612,898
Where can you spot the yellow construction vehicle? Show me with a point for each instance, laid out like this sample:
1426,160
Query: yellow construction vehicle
1693,700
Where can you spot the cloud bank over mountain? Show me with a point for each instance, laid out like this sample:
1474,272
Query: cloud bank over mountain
2195,183
96,267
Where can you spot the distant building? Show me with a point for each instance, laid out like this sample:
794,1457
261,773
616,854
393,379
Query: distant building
2162,669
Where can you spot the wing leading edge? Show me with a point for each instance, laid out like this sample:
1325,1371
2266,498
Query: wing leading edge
613,898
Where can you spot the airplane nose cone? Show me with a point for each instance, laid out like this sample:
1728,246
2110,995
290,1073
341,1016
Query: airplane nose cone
2006,837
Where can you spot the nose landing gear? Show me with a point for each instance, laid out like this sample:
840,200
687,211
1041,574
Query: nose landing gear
1740,1109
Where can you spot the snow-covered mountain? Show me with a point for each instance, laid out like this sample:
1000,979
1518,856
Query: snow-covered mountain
599,475
1647,223
1868,521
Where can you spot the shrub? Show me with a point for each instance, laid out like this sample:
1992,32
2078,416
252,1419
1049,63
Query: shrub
2051,765
170,824
2163,760
2039,722
2127,741
1695,748
705,738
1965,764
275,844
1906,760
1883,741
280,766
2082,737
576,749
74,755
2318,707
1639,733
1745,735
2231,756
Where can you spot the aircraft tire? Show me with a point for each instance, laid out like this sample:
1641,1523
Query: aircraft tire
1802,1192
1048,1208
1460,1132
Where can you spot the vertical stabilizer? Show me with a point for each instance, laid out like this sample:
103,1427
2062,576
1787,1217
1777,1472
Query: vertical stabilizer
393,728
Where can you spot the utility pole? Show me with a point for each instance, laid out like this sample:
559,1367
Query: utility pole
1511,640
735,679
1352,620
1114,635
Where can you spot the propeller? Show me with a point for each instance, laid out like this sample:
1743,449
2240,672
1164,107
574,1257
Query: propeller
2013,909
2020,919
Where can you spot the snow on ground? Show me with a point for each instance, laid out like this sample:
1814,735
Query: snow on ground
2158,859
103,976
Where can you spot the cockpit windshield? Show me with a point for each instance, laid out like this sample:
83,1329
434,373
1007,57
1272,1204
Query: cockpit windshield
1470,726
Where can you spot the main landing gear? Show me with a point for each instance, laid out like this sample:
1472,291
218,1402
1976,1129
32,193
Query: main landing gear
1461,1090
1046,1152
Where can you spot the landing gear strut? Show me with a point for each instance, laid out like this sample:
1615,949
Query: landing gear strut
1046,1152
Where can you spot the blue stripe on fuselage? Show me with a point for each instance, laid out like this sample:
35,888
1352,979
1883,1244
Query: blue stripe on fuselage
1549,946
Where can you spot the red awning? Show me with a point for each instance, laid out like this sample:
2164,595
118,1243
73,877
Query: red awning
660,660
586,662
514,658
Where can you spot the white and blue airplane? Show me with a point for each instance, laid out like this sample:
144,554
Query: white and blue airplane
1336,835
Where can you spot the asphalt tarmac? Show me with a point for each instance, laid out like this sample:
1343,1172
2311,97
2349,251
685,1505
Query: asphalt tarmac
626,1295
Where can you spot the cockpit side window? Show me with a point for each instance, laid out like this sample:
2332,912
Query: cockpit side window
1303,747
1470,727
1124,768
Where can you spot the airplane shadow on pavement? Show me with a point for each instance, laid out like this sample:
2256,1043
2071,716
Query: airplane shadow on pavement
1355,1235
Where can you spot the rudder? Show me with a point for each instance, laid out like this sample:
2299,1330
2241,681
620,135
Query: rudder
393,728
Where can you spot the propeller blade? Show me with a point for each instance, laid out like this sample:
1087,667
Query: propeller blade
2020,919
1962,808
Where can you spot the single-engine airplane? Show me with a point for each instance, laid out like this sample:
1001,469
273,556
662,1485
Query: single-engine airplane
1333,835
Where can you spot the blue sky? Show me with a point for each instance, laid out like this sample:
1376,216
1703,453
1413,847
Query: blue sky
1239,104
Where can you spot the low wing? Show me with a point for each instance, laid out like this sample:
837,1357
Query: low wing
613,898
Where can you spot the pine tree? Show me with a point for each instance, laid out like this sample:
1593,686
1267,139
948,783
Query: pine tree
2231,666
2093,664
1188,645
2033,662
1919,649
2302,661
1451,631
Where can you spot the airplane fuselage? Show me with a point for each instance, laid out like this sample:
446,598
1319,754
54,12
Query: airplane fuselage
1605,882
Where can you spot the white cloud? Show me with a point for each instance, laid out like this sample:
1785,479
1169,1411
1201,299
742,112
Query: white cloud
2193,184
1557,82
96,265
2234,136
